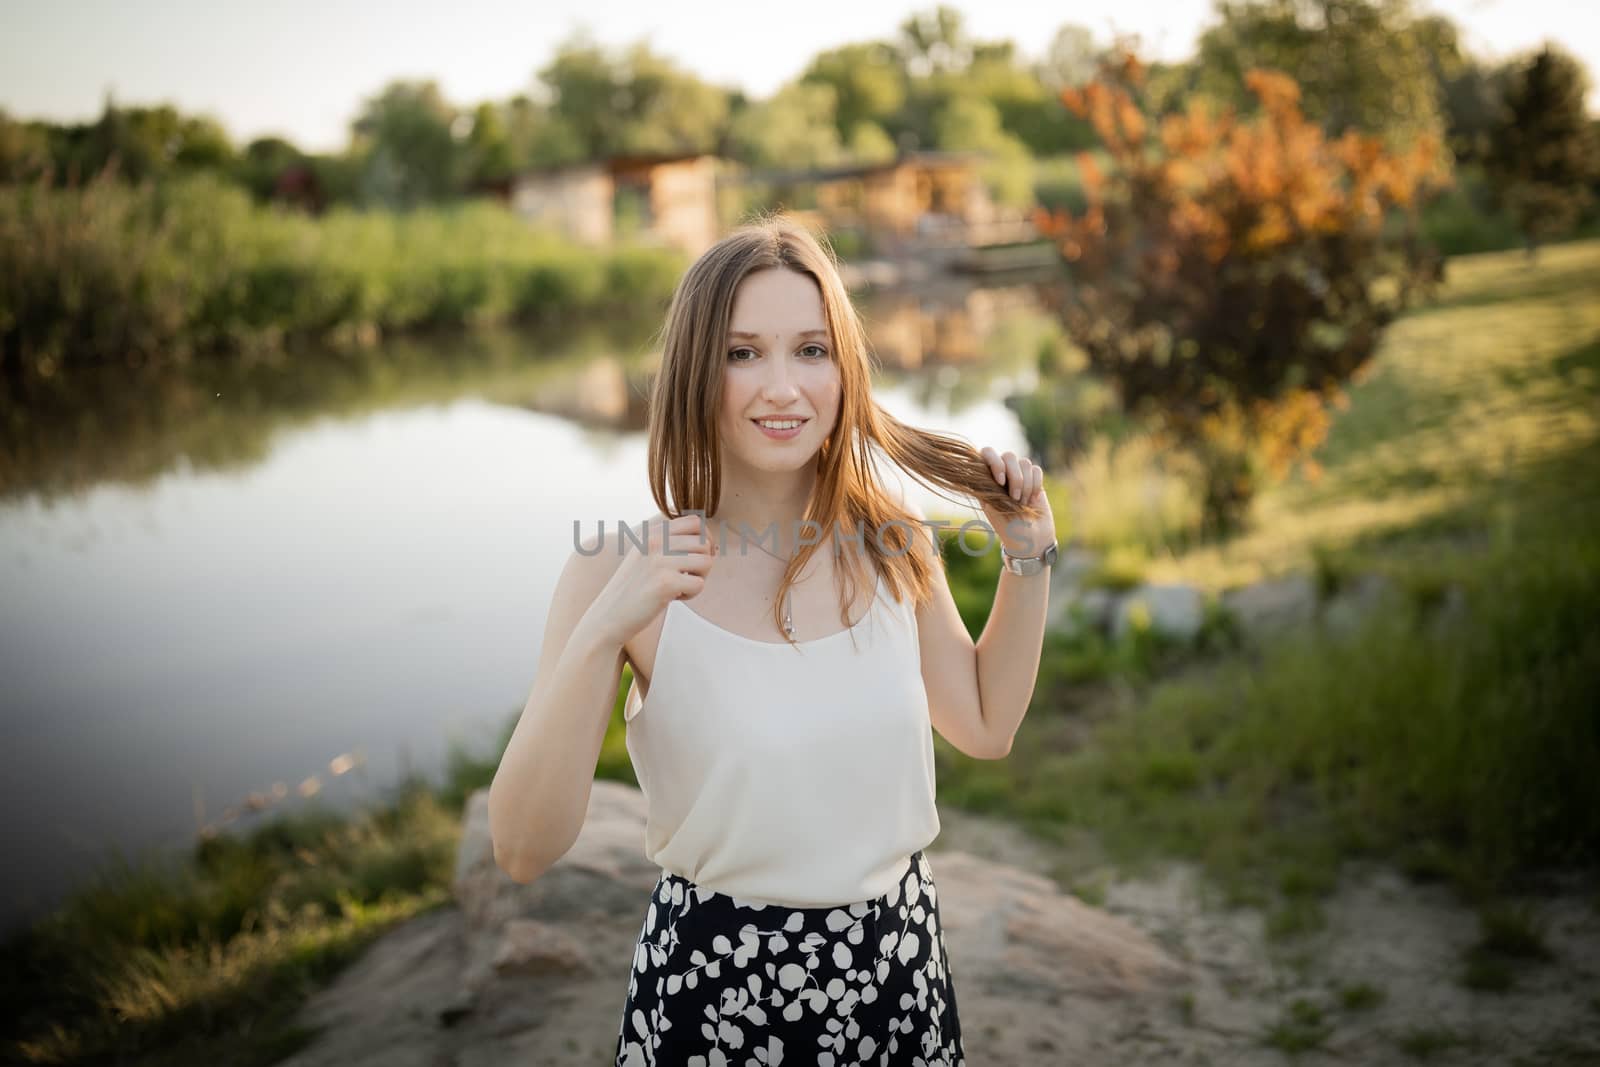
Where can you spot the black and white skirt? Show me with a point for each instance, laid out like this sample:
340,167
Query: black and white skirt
717,980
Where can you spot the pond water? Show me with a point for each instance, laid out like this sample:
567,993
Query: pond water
230,589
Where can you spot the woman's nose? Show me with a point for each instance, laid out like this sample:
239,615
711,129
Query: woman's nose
780,381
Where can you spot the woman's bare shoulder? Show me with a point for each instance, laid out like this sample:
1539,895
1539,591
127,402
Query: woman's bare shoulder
594,559
602,549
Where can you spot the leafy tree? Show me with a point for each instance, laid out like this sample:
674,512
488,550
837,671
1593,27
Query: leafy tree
868,81
137,143
1472,98
637,102
1071,59
24,149
489,154
202,144
1542,154
869,143
1029,112
1360,64
934,42
793,129
669,109
1230,274
404,135
971,123
1469,90
263,161
584,84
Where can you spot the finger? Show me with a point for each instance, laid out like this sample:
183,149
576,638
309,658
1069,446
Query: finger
997,466
688,522
696,540
1014,478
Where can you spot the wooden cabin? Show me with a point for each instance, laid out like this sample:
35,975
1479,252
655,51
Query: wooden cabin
670,199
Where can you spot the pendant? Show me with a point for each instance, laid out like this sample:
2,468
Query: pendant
788,619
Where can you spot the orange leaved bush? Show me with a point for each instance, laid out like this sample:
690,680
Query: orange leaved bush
1231,273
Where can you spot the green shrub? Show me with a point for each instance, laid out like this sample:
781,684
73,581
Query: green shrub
156,272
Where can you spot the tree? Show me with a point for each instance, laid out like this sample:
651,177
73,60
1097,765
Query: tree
1029,112
869,143
489,154
139,143
1071,59
24,149
1468,90
405,136
669,109
793,129
1230,275
868,82
263,162
1542,154
637,102
1360,64
971,123
934,42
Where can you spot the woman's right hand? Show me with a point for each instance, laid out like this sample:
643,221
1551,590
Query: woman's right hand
672,566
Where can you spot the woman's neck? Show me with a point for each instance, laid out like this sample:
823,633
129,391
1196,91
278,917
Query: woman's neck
771,513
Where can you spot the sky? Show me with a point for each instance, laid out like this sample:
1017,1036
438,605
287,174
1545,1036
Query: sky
300,69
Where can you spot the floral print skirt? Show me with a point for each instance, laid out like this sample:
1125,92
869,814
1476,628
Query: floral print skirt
717,980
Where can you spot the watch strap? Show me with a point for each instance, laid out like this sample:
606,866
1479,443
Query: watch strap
1028,565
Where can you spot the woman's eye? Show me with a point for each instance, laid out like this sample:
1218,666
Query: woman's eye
818,352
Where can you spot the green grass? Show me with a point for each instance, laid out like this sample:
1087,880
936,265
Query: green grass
1475,411
1424,1043
1511,937
205,961
1456,744
1301,1028
1459,746
1360,996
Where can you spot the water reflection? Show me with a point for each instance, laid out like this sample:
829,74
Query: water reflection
219,581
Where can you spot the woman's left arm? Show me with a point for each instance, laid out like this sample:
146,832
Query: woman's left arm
978,693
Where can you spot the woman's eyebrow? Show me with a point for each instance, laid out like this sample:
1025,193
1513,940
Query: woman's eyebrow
757,336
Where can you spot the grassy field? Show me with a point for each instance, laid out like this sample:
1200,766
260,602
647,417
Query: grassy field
1453,742
206,962
1458,744
1478,418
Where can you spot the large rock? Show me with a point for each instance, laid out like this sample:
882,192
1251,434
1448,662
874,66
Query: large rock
1176,611
1274,605
538,973
1355,601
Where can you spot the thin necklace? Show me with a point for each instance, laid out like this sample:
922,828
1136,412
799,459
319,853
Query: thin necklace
788,614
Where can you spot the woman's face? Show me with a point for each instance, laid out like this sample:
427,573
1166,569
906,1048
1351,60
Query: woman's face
779,365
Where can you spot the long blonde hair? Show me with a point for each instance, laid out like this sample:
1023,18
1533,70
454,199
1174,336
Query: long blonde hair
685,457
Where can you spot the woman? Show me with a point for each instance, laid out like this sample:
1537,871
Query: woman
786,757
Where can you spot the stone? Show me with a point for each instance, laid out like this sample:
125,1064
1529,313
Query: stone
538,973
1273,605
1176,611
1358,598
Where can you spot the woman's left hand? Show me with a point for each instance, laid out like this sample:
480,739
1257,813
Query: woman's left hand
1025,481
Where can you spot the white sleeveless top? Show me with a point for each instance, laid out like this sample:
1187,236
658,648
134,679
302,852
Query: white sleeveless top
797,776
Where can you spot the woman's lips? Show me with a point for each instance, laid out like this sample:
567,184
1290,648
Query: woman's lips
781,435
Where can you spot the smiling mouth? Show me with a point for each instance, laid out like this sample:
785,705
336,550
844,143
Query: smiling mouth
797,421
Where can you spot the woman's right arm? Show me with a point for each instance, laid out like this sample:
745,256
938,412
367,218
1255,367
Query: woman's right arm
540,791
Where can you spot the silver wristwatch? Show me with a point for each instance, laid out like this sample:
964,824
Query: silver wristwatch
1026,565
